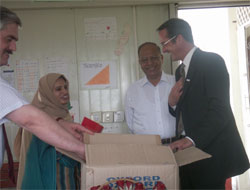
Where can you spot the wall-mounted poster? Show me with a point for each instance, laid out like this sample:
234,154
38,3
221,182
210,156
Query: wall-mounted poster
27,75
102,28
58,66
98,74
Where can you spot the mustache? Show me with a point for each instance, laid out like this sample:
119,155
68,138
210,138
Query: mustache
8,51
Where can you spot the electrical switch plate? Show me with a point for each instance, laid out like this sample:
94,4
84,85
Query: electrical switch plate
118,116
107,117
96,116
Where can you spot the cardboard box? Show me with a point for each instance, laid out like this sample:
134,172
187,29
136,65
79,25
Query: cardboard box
140,157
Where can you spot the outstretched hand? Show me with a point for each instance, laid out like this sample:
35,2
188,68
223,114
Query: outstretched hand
75,129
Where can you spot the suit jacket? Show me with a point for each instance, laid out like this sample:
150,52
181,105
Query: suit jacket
207,114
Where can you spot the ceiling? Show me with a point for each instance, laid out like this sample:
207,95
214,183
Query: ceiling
27,4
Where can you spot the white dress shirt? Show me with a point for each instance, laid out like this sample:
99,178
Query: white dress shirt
10,100
146,107
187,59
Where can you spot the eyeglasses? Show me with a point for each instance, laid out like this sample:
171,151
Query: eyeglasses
165,43
145,60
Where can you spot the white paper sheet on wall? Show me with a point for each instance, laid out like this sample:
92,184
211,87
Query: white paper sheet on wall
98,74
58,66
102,28
27,75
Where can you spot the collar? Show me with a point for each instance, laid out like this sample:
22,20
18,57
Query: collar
188,57
145,80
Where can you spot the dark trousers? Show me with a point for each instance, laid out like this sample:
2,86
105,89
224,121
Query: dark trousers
201,175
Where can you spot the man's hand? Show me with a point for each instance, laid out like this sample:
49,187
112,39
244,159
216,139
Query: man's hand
175,93
81,153
181,144
75,129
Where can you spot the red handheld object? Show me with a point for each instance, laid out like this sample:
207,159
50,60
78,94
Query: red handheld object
92,125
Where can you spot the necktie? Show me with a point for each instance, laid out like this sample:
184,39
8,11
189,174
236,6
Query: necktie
180,126
9,155
182,72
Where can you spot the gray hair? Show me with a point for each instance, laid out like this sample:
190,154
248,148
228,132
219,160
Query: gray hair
8,17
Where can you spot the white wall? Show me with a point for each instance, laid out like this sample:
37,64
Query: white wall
58,35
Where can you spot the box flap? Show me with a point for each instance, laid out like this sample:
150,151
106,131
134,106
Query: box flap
108,138
189,155
127,154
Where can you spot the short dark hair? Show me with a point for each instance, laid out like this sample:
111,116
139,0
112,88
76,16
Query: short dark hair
176,26
8,17
147,43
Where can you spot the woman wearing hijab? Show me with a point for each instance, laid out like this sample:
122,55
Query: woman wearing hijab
40,165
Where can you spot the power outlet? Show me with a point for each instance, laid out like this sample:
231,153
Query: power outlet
118,116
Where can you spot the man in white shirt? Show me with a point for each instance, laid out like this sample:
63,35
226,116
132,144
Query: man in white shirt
13,107
146,104
8,94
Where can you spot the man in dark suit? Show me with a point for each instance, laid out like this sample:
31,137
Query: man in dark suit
202,110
